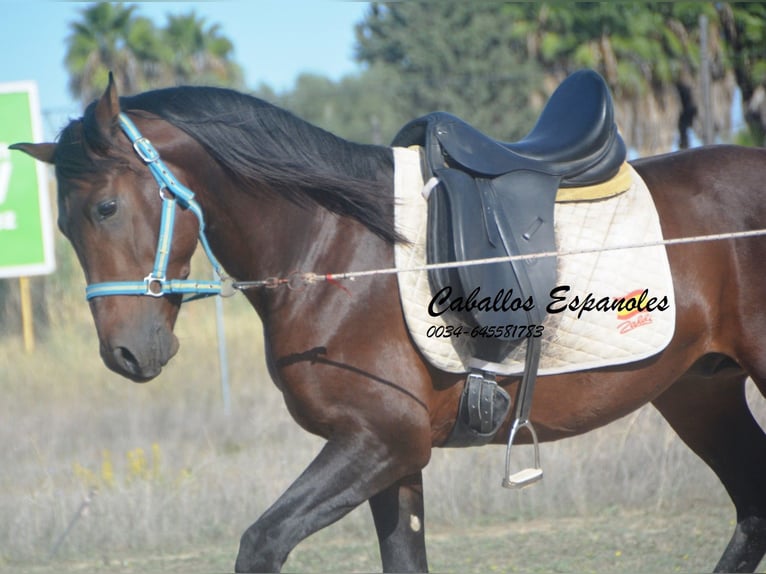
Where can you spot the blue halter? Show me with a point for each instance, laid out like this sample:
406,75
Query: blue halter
156,284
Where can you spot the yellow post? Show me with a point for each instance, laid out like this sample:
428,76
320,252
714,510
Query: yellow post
27,322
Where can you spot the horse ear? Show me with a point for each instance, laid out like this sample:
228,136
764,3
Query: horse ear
42,151
108,108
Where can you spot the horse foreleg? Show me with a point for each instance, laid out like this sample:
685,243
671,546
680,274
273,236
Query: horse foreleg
712,417
342,476
399,520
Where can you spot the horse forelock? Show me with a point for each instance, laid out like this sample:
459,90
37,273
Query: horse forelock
83,151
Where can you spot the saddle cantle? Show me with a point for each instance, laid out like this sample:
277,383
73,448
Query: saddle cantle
496,199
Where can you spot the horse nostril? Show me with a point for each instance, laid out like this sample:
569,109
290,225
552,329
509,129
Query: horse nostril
124,362
139,365
127,360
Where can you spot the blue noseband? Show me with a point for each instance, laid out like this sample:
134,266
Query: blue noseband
156,284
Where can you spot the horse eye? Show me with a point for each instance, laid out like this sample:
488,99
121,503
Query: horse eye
106,208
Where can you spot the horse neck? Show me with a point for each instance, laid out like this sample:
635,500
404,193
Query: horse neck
260,234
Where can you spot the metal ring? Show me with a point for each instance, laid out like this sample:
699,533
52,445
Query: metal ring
166,193
227,287
150,280
298,281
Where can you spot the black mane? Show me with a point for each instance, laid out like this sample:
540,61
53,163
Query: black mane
267,147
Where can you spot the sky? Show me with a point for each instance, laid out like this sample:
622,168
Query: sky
274,40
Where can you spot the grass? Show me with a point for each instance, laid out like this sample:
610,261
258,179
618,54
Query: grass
175,481
612,541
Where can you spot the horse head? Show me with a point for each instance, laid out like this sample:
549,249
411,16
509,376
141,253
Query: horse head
110,210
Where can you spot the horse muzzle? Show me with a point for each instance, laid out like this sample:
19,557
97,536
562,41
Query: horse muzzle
140,361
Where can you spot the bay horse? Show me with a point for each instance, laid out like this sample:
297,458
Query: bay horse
280,195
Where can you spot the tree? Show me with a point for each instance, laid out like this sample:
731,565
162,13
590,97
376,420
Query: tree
199,52
100,43
111,37
455,56
649,54
744,29
359,107
480,59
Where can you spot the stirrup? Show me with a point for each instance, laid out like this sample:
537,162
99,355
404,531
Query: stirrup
526,476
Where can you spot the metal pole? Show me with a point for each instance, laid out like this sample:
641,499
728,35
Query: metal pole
27,322
81,511
223,360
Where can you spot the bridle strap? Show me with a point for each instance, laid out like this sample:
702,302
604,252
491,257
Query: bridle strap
172,192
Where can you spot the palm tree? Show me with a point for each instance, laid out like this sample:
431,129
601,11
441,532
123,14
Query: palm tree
100,43
199,53
110,37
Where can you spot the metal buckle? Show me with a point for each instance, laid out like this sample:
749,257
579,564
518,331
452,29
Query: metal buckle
150,280
145,150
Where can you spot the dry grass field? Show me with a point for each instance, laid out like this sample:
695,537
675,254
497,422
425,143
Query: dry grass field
172,480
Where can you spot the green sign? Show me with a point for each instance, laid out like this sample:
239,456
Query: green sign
26,229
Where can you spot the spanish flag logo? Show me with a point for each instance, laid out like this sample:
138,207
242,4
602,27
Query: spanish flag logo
630,307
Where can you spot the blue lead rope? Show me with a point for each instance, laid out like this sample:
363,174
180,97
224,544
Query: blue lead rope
172,192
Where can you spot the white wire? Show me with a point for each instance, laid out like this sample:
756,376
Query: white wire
351,275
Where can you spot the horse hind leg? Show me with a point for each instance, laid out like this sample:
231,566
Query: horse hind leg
711,415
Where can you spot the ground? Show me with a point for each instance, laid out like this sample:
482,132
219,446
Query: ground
613,541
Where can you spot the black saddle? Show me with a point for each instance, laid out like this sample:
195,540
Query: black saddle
496,199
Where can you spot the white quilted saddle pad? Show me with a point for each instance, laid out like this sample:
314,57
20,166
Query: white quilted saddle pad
572,340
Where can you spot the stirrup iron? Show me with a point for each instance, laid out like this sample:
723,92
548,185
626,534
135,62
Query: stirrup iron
531,475
526,476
